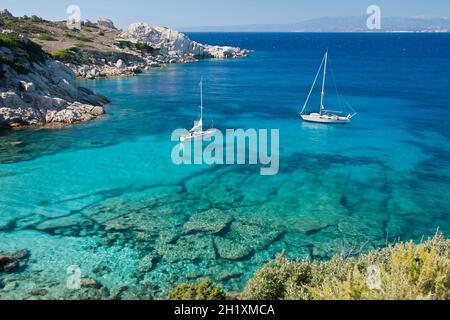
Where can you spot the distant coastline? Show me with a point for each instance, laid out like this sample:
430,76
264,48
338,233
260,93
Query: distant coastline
337,24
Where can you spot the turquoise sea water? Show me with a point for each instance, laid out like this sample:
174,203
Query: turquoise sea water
105,195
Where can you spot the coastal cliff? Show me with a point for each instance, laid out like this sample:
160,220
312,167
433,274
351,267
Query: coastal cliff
36,90
40,61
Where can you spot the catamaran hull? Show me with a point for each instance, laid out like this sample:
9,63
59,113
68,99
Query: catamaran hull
317,118
197,136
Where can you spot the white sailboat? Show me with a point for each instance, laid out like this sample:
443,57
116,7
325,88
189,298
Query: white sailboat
197,131
324,116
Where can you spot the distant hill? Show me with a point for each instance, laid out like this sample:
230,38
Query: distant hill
337,24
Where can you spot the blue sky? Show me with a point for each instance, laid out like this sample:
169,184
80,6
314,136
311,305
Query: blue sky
188,13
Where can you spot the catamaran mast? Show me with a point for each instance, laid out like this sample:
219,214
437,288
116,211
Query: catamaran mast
322,107
201,100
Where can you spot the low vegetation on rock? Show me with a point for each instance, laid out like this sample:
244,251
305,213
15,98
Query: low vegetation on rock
204,290
47,37
26,25
13,41
143,47
66,55
83,38
404,271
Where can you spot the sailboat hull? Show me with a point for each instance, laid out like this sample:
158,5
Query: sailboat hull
325,118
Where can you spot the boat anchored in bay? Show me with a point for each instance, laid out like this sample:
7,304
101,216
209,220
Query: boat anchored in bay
197,131
324,116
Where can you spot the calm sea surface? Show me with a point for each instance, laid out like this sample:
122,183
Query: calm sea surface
105,195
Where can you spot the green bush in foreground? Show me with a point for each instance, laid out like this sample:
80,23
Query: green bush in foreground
400,272
204,290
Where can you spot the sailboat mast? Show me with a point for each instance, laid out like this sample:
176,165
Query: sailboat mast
201,100
323,84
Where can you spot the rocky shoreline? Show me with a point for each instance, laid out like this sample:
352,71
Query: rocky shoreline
38,72
146,47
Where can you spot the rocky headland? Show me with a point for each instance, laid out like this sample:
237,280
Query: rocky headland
40,61
36,90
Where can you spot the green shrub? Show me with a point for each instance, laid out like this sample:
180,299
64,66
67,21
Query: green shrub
21,25
37,19
84,38
283,279
82,45
33,50
20,68
123,44
7,19
47,37
66,55
204,290
4,59
401,272
101,33
143,47
407,272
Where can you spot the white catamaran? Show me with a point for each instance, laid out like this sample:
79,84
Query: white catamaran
197,131
324,116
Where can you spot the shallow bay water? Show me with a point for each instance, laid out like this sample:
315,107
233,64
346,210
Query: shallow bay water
105,195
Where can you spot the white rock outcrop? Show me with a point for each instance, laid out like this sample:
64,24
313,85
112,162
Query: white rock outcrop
74,112
104,23
176,45
120,64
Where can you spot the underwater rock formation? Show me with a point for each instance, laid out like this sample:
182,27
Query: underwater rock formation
12,261
213,221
